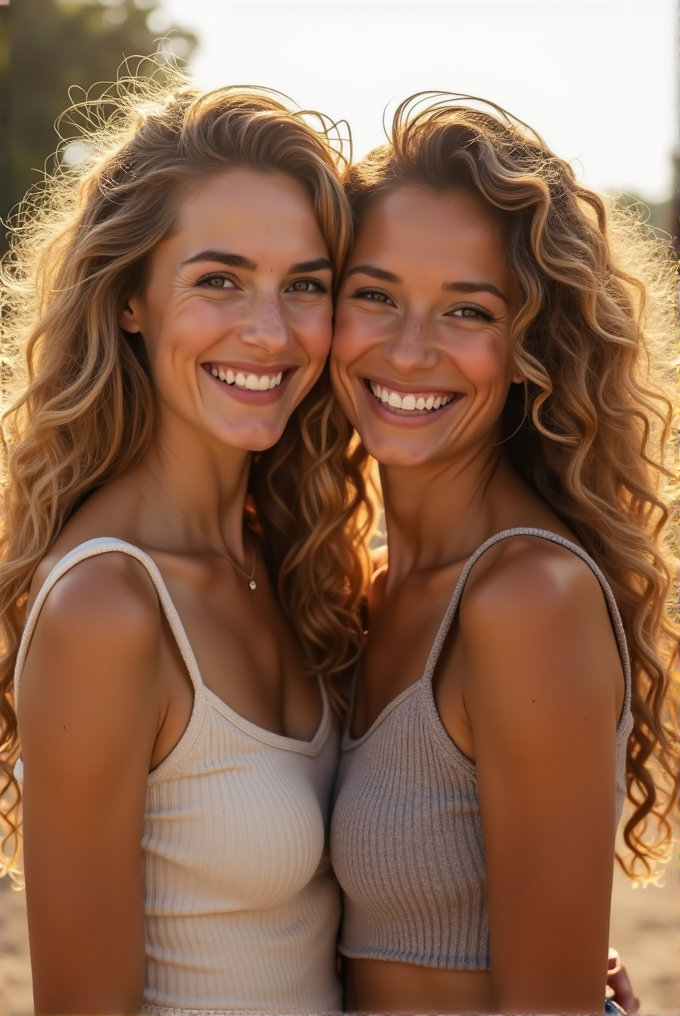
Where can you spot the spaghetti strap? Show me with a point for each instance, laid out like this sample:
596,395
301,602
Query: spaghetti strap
351,700
92,548
542,534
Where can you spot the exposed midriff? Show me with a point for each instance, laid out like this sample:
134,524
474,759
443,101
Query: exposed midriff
391,986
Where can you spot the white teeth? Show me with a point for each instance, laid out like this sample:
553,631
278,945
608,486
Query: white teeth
252,382
408,402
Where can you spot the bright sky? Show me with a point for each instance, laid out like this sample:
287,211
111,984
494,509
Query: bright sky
597,78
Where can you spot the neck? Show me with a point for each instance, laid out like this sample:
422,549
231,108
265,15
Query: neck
194,490
439,513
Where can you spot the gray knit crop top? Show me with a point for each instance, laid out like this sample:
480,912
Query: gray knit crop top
406,835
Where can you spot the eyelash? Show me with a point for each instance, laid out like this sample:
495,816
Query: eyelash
321,287
371,294
204,280
213,275
484,314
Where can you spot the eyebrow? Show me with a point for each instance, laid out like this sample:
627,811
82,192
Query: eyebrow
310,266
232,260
375,273
239,261
448,287
474,287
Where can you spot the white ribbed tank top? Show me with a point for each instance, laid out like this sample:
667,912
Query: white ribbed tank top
241,907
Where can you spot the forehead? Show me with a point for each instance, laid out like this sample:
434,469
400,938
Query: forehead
249,206
426,227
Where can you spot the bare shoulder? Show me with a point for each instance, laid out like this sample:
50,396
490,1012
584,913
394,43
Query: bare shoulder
98,631
536,629
101,592
525,579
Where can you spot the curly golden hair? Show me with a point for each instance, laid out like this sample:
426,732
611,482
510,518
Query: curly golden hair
83,407
590,430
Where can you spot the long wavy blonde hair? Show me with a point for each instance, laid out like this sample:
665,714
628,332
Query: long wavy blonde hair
82,409
590,430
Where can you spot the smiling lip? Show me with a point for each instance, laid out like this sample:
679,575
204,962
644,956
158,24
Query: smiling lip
407,406
251,383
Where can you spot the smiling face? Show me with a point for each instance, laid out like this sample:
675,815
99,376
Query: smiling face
422,354
236,315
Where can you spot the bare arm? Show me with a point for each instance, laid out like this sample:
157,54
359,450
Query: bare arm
89,713
542,699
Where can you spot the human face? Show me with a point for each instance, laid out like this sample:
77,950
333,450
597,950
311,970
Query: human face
237,313
424,320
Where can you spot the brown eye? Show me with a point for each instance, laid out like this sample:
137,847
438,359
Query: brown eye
307,286
374,295
471,313
216,281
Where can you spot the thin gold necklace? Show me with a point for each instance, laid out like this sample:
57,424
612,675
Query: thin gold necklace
252,584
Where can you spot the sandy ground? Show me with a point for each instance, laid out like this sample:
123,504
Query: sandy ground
645,929
16,997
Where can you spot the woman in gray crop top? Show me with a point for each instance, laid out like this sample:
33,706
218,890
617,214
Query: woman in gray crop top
490,352
176,508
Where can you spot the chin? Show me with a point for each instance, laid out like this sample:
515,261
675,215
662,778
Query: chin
389,454
252,439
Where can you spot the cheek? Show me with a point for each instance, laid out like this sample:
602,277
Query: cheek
201,323
353,335
314,328
486,361
344,351
185,334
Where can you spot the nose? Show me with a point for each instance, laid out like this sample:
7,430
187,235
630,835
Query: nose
265,325
409,348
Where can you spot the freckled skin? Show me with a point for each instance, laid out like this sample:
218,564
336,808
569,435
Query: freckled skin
531,668
256,319
419,328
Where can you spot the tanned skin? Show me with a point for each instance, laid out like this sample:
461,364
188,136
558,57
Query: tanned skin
530,684
105,695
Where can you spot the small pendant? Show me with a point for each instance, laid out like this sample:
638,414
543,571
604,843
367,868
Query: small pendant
253,584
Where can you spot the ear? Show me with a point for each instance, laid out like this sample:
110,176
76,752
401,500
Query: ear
128,318
518,378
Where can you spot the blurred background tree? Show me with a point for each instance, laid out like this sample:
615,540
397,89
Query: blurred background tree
56,44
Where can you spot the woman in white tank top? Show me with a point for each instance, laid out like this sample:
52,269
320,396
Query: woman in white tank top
491,350
179,538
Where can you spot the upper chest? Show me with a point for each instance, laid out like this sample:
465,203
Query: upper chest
403,624
244,649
